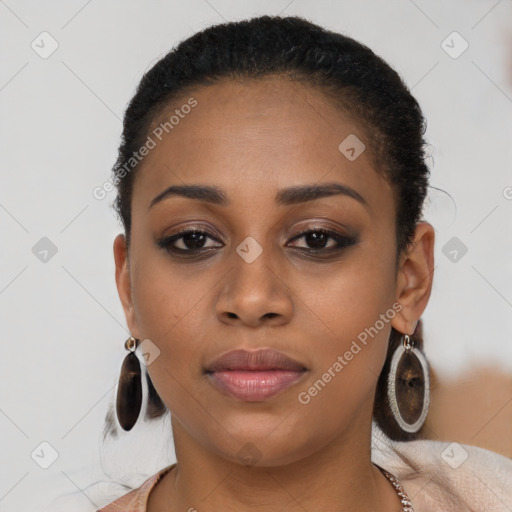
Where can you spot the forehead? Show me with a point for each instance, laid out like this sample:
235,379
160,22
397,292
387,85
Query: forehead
252,137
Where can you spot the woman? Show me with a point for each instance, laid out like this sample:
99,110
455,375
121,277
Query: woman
273,272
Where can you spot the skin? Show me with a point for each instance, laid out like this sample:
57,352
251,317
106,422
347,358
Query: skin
251,138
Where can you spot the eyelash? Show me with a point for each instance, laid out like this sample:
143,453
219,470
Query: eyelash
342,241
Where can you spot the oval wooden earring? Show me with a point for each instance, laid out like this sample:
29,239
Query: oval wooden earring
129,390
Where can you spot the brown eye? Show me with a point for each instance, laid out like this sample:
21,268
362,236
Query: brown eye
317,240
191,240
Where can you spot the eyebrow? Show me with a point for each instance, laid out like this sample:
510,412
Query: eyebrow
284,197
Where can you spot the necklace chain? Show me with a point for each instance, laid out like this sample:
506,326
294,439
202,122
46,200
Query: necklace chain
404,499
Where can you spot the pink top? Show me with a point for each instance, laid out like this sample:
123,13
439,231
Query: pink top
136,500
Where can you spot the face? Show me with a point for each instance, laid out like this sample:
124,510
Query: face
253,277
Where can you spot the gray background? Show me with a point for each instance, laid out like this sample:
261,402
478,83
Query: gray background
63,327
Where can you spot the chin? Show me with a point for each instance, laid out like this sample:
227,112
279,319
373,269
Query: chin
266,440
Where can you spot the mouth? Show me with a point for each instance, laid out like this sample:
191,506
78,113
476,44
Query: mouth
254,376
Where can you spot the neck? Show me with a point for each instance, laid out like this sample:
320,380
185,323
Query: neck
340,477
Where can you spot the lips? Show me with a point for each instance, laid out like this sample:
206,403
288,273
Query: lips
266,359
254,375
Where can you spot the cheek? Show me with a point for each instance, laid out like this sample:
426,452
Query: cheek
166,297
349,297
168,306
352,310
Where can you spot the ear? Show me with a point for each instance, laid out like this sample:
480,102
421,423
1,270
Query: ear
414,279
123,283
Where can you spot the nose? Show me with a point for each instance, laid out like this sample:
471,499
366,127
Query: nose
255,293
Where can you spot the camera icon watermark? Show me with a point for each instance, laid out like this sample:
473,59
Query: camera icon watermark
44,45
507,192
44,250
249,249
249,454
44,455
454,455
454,45
352,147
149,352
454,249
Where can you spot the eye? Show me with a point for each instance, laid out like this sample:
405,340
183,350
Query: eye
192,241
317,239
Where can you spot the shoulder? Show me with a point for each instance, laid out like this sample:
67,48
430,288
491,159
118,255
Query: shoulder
448,476
136,500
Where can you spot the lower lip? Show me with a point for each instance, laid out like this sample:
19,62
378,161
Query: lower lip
254,385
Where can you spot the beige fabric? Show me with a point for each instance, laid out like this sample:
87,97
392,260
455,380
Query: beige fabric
444,476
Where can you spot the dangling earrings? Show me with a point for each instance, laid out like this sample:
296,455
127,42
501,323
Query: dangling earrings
403,384
129,390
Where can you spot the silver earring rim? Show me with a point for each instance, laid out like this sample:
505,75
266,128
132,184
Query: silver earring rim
403,347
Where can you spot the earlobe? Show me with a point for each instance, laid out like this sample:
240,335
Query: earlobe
123,280
414,279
